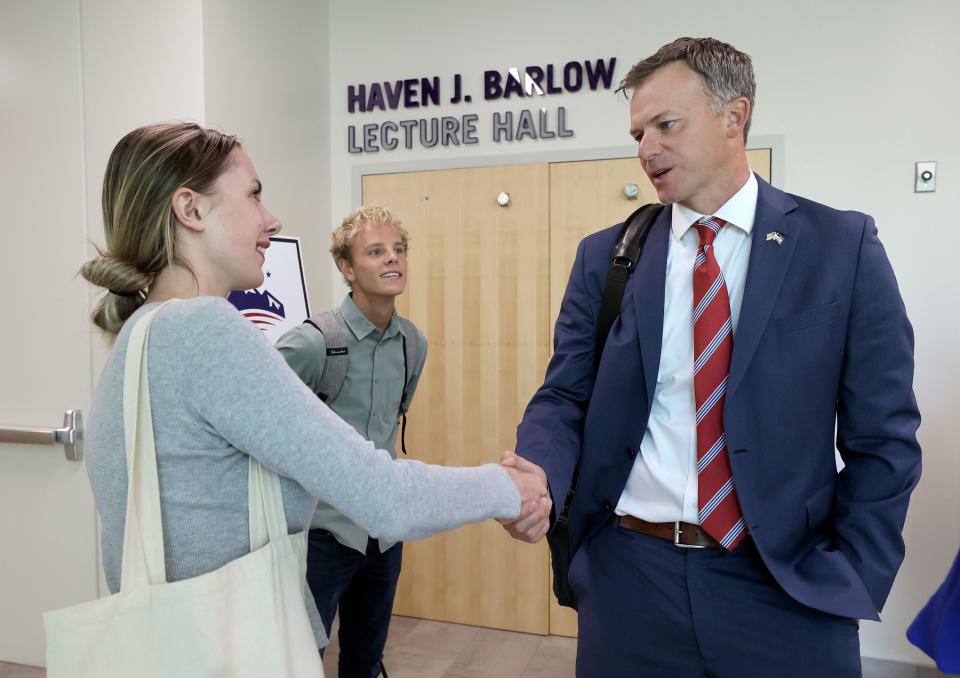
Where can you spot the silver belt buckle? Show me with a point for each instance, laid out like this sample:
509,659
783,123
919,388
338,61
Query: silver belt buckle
676,538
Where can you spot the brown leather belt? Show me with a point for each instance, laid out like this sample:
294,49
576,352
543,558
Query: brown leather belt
683,535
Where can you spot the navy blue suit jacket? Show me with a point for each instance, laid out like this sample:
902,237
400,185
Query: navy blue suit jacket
823,341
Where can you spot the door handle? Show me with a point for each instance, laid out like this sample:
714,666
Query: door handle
70,435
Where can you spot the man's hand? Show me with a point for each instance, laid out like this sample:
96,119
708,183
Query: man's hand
534,519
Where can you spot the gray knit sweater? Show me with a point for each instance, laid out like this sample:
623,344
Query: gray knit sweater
219,392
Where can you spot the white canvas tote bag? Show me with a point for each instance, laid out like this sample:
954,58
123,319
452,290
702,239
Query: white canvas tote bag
245,620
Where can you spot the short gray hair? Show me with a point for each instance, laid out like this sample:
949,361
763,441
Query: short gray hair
726,72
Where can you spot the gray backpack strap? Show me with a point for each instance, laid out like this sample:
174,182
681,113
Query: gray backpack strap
337,358
411,354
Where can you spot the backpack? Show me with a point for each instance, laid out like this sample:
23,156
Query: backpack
337,360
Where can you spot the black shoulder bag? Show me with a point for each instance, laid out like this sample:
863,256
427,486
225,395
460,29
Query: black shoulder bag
624,259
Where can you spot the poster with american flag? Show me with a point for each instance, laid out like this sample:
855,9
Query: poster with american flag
280,303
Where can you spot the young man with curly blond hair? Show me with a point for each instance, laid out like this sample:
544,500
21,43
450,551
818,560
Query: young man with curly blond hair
347,569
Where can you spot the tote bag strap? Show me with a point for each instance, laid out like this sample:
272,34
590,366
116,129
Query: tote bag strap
143,560
268,522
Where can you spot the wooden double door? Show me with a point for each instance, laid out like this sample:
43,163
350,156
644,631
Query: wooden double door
484,284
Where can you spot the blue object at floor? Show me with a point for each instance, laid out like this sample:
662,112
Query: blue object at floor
936,630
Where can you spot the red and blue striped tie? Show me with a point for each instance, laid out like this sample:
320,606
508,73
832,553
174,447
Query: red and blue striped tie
719,509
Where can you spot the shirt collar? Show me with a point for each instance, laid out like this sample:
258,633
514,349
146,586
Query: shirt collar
360,325
740,211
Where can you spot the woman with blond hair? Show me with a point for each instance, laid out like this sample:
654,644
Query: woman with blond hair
184,219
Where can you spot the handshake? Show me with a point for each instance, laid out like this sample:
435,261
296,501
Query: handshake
535,503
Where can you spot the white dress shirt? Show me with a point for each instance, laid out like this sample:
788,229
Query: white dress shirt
662,486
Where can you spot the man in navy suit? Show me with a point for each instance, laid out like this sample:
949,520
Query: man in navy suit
714,534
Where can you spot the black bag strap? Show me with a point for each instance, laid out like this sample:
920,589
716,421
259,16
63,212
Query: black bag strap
411,358
403,398
623,261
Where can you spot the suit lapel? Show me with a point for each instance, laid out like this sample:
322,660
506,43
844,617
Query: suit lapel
648,283
768,266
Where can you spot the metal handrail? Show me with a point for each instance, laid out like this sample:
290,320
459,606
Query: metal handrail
70,436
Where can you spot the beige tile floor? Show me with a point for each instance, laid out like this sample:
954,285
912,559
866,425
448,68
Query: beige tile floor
418,648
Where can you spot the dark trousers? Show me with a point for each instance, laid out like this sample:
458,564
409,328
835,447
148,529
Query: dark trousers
651,610
363,587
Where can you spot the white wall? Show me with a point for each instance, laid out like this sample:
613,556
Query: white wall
252,69
266,73
46,509
859,91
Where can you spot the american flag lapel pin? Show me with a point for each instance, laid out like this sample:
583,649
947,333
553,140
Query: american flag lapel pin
775,236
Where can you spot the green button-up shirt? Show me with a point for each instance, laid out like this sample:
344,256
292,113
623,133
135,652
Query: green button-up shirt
369,399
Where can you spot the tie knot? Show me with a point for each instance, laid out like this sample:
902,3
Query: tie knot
708,228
